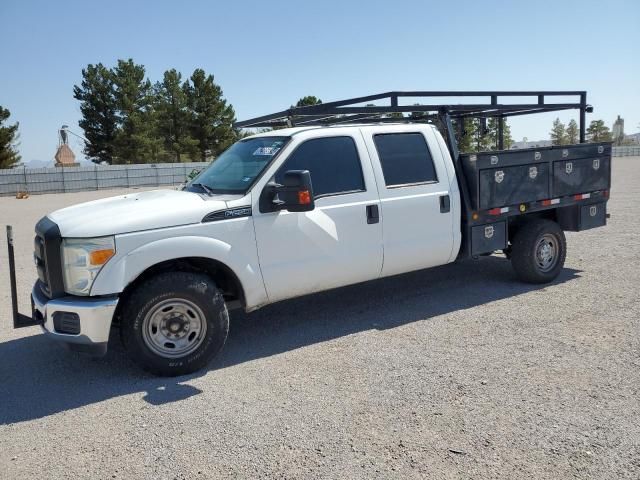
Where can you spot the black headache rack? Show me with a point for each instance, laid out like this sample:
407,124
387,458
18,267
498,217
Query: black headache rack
496,186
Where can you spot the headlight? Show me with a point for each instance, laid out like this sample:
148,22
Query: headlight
82,259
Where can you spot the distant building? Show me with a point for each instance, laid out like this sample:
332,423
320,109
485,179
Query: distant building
530,144
64,155
618,130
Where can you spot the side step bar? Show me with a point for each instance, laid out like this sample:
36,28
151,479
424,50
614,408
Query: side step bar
19,320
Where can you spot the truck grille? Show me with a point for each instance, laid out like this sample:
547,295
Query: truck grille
41,267
48,259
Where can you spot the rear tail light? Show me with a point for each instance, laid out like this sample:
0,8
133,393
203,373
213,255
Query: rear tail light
498,211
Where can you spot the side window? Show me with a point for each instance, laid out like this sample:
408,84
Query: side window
405,159
333,162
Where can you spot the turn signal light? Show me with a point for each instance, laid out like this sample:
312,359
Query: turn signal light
100,257
304,197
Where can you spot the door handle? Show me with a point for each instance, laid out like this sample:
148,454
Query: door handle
445,204
373,214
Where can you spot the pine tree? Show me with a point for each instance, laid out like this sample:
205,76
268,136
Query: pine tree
174,119
598,132
493,141
572,132
395,115
558,133
417,115
98,107
212,118
308,101
480,141
9,156
507,138
136,141
126,120
466,132
471,138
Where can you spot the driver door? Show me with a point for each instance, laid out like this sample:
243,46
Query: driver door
340,241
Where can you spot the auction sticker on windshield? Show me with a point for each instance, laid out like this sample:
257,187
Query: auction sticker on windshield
266,151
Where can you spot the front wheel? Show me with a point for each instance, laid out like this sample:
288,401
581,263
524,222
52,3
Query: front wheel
174,323
538,251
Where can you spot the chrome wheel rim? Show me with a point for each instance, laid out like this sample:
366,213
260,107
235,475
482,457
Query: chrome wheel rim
547,253
174,328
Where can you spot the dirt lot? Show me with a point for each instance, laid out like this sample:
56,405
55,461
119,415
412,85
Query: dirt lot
455,372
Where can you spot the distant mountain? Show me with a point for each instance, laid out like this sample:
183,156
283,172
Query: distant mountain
38,163
51,163
530,144
634,137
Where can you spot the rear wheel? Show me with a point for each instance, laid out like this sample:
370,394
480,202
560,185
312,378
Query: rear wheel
538,251
174,323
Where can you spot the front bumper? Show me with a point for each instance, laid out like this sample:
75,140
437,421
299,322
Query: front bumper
83,323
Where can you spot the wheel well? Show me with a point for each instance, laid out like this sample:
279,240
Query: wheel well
515,223
225,279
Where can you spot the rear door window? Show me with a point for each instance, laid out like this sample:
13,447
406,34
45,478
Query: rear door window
405,159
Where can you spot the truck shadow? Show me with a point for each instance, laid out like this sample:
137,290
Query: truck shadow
39,378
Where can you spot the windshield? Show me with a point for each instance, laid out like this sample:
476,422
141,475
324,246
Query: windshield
236,169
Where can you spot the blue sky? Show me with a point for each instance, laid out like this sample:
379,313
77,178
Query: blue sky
267,54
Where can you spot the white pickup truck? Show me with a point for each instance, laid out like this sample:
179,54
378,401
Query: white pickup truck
294,211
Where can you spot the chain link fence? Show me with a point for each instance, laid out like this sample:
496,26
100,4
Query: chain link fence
626,151
98,177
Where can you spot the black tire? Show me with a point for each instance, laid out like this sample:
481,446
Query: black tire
530,257
183,305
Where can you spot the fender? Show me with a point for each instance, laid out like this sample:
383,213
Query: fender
124,268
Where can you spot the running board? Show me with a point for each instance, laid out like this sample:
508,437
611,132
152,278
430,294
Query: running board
19,320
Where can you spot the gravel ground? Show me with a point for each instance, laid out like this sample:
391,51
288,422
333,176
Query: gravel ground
454,372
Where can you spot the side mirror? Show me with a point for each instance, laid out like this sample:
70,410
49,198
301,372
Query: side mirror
294,194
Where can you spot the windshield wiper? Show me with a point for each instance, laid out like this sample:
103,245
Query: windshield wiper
205,188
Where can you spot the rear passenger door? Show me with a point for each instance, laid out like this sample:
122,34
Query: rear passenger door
414,195
335,244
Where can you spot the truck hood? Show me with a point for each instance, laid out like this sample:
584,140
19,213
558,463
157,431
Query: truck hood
134,212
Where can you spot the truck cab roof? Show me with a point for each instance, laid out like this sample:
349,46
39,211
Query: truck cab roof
291,131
